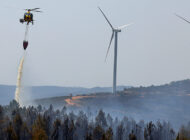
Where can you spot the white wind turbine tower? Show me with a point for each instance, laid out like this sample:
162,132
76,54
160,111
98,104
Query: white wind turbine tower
115,32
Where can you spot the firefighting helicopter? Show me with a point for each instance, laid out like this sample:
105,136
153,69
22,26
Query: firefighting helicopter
28,16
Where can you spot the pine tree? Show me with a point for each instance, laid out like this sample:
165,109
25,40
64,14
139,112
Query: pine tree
98,132
132,136
101,119
109,134
65,129
38,130
88,137
1,113
55,134
25,132
17,123
10,133
71,130
120,132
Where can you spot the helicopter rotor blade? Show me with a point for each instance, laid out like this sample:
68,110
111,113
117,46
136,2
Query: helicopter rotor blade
38,11
34,9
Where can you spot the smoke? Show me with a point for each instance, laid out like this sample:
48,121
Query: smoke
19,80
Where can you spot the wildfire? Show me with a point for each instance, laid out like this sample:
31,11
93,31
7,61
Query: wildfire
75,101
70,102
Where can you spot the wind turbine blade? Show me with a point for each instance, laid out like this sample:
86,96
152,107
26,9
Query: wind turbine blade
183,18
106,18
124,26
109,45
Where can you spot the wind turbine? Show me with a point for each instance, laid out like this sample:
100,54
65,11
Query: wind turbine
182,18
115,32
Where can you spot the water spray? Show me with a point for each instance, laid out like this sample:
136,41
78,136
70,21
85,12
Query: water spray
19,79
20,68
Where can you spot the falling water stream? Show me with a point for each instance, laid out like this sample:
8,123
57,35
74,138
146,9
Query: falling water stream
19,79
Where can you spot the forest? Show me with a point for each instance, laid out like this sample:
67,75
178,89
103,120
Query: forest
39,123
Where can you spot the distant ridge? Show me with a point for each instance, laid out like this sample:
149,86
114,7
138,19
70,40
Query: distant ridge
38,92
173,88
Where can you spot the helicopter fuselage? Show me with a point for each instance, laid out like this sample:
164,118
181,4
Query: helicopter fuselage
28,17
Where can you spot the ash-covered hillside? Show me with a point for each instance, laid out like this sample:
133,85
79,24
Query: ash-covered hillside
166,102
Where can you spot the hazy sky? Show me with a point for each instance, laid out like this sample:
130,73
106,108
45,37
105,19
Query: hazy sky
68,43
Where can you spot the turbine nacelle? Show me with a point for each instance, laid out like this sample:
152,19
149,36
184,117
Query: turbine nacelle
117,30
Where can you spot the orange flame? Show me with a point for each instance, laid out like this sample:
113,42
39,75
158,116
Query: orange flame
75,101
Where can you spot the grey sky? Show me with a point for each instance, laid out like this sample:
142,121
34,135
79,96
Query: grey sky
68,43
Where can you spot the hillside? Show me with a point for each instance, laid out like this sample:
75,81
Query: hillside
166,102
38,92
174,88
